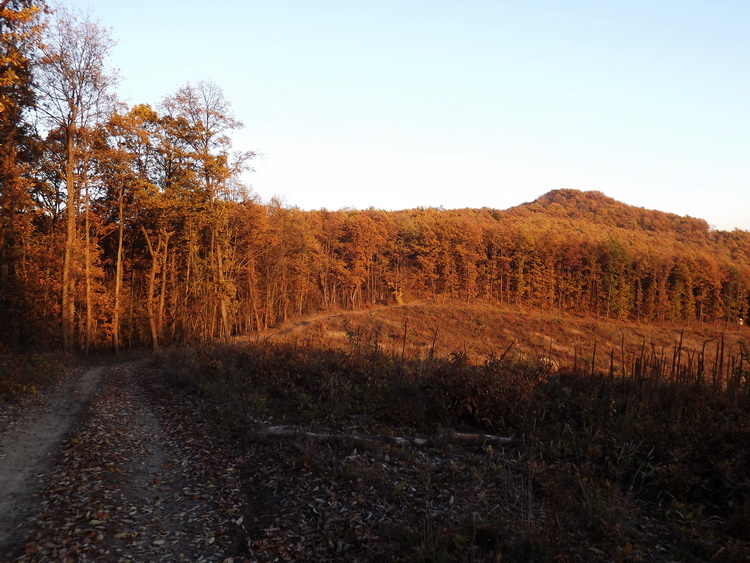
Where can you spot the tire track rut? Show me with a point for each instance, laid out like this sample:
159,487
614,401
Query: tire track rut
30,449
129,479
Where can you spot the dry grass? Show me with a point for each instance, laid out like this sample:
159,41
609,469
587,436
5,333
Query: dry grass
480,332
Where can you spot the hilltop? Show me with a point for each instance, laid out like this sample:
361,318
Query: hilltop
598,208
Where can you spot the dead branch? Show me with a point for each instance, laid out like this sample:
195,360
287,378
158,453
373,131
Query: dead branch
442,438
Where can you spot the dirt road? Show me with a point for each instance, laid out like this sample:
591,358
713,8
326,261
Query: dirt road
102,471
30,448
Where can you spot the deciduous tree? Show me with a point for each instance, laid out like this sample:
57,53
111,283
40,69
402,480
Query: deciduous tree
20,36
73,84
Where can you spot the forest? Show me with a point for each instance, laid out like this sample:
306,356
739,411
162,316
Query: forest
126,227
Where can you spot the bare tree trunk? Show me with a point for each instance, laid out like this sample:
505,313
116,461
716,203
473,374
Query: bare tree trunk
163,290
150,306
88,271
442,438
253,298
118,277
150,291
223,308
68,303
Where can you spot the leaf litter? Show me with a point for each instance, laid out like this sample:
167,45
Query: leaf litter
133,485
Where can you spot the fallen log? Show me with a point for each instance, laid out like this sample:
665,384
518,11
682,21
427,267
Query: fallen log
441,438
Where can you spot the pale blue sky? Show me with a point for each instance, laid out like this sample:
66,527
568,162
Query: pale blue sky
398,104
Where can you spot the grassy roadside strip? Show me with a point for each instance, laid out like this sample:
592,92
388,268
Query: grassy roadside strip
28,374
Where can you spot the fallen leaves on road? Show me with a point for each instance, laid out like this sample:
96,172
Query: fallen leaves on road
131,485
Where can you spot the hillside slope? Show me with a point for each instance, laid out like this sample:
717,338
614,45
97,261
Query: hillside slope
481,332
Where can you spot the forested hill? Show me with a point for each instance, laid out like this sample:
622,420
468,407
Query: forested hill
595,207
612,215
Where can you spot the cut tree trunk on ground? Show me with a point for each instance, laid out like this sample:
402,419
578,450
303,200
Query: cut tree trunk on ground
442,438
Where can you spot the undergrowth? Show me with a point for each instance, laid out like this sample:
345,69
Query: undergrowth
23,375
607,468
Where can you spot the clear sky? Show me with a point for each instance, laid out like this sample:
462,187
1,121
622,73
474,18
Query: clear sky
473,103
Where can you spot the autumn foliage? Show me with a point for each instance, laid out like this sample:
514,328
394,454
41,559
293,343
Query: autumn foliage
197,267
130,226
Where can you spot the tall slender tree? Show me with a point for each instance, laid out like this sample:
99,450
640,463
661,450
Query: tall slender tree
74,87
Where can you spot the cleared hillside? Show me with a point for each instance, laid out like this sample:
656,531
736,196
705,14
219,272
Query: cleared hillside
481,333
